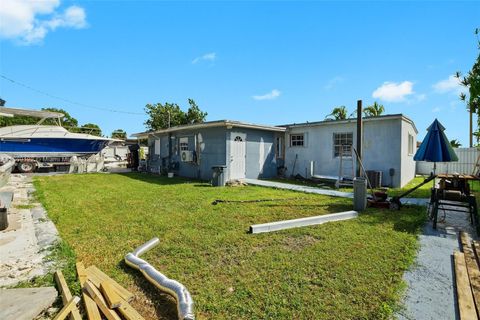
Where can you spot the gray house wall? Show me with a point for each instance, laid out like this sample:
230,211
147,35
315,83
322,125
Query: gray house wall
212,147
383,148
260,152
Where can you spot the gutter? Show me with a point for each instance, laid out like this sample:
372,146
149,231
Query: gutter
162,282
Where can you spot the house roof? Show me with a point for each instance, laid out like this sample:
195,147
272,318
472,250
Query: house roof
211,124
352,120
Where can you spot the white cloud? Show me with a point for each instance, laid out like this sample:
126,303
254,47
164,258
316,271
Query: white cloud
420,97
333,82
22,19
206,57
268,96
393,92
451,84
436,109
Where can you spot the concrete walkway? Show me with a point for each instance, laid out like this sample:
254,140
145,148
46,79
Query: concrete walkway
431,289
29,237
326,192
294,187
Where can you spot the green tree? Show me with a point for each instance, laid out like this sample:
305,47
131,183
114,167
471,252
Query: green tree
472,82
455,143
92,128
194,114
161,116
338,113
374,110
67,120
119,134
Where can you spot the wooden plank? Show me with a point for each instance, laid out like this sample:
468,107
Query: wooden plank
67,309
100,301
476,249
97,276
128,312
472,268
111,296
466,304
90,306
66,295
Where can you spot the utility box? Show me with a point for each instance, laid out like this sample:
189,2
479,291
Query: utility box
218,176
375,178
359,194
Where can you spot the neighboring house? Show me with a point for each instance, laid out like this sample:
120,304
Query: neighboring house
389,142
247,150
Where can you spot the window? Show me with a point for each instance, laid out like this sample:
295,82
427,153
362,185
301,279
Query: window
296,140
157,147
342,144
183,144
238,139
410,144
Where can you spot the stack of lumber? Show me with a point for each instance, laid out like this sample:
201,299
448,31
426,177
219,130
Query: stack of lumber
102,297
467,277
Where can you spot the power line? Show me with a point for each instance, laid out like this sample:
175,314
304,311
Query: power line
67,100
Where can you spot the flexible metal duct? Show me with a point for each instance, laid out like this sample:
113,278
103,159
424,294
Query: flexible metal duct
172,287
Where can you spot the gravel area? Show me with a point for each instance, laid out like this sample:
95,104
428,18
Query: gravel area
431,291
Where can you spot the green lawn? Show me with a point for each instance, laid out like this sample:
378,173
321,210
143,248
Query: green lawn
344,270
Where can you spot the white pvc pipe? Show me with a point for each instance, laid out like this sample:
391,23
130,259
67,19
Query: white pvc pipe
302,222
162,282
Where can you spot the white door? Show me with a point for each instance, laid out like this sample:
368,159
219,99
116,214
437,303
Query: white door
237,155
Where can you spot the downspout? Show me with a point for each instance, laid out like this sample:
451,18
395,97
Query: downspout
162,282
169,150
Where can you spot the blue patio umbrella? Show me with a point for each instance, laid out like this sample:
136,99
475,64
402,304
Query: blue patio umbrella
435,146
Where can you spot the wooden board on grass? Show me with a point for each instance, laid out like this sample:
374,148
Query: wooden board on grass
466,303
97,276
128,312
90,306
96,295
111,296
66,295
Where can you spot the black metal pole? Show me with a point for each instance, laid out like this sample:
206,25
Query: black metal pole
359,135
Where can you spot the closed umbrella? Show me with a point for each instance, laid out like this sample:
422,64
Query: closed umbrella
435,146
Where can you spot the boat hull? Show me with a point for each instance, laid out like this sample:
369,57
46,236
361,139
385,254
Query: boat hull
44,147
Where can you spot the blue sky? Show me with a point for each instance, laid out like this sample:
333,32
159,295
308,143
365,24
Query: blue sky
263,62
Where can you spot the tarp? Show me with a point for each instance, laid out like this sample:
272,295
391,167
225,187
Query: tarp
435,146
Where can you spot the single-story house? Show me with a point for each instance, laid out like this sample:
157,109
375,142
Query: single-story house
309,149
389,144
246,150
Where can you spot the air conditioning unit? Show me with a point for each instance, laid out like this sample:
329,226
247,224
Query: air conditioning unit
186,156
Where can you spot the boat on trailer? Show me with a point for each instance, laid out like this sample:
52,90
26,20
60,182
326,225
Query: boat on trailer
39,145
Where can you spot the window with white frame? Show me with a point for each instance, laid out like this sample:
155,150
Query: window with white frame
183,144
410,144
297,140
157,147
342,144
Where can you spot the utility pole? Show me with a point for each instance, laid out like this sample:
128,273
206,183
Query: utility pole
359,136
471,126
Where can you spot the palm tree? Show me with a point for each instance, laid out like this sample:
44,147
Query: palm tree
455,143
338,113
374,110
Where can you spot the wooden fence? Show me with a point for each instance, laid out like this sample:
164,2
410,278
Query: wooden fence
467,158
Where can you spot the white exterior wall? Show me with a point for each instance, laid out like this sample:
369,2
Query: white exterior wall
408,164
382,149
